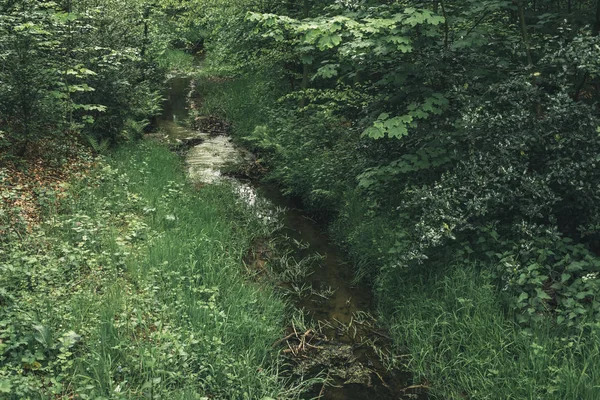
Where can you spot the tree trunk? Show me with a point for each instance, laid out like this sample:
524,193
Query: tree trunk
446,26
597,24
305,66
146,16
524,36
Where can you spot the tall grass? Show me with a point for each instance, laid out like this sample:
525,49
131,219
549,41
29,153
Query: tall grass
175,60
193,264
461,343
141,293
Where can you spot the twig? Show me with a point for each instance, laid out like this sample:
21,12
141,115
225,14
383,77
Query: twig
415,387
291,349
302,343
382,381
381,334
282,339
314,347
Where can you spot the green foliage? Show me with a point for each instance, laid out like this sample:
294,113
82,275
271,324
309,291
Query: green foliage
424,159
378,34
456,332
75,68
487,147
486,125
552,276
397,127
175,60
134,288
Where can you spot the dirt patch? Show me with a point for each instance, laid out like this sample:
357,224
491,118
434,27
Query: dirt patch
26,185
210,124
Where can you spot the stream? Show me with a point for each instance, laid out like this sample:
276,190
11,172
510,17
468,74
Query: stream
340,339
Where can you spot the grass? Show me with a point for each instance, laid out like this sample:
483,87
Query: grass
134,288
463,345
243,101
458,338
175,60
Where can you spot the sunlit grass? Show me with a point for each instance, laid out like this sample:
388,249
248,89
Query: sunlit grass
193,262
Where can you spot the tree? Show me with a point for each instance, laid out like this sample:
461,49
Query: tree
70,68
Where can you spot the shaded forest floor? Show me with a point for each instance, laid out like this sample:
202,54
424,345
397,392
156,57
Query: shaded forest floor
26,185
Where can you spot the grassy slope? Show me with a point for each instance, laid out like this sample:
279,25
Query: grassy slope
134,287
461,342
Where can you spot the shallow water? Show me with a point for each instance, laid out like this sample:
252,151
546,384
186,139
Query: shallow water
356,370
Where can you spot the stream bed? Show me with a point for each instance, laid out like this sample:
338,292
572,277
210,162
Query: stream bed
336,336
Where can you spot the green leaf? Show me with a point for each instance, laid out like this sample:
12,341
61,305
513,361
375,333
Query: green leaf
5,386
307,59
582,295
374,133
327,71
436,19
522,297
69,339
41,335
405,48
312,36
542,295
329,41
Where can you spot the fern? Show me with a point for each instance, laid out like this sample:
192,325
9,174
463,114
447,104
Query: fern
100,147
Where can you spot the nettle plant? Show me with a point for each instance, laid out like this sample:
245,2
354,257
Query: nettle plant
551,275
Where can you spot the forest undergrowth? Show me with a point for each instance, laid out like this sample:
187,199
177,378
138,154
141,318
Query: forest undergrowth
132,286
451,147
457,331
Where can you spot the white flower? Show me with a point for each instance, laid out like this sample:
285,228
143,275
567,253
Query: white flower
590,276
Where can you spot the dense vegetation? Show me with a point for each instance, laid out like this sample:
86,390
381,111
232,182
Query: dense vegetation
451,146
117,278
125,291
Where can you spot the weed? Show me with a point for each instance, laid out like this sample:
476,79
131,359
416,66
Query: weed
135,288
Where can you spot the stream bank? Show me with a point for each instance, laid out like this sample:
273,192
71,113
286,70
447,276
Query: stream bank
334,334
